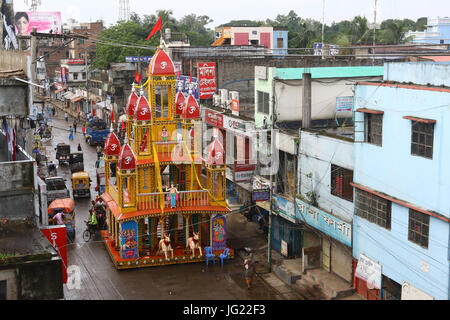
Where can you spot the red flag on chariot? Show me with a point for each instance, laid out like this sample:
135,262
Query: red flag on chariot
112,116
137,77
155,29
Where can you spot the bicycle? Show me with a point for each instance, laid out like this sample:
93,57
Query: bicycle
89,232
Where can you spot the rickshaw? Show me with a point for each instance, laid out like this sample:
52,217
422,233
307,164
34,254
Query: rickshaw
67,207
62,153
76,162
81,184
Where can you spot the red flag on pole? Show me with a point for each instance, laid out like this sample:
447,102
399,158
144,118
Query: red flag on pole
155,29
112,116
137,77
190,79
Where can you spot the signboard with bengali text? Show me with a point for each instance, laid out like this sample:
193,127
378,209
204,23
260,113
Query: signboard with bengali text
57,235
207,79
369,271
344,104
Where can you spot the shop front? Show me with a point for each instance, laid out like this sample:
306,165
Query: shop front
332,235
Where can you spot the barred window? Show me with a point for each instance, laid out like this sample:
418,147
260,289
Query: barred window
340,182
374,129
419,228
422,139
263,102
373,208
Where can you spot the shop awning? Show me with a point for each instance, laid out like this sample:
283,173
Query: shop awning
59,90
68,95
77,98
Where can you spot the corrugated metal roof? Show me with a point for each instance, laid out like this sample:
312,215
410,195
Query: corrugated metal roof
330,72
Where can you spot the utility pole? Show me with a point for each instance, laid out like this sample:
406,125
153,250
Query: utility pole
33,57
323,28
269,233
375,26
87,79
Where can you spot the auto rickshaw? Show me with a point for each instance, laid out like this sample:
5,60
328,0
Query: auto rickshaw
81,184
62,153
67,206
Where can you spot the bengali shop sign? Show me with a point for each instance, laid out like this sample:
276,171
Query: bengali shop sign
327,223
214,118
369,271
57,235
207,79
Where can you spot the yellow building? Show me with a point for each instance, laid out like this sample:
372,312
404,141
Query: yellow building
158,182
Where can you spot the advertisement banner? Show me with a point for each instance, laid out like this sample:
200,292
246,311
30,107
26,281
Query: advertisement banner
129,240
75,61
219,238
235,107
369,271
184,85
58,238
146,59
283,208
44,22
63,75
244,176
325,222
207,79
214,118
344,104
261,195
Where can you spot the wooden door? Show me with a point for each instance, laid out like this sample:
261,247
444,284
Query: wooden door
326,255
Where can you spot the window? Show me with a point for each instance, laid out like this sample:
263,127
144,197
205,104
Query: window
280,43
374,129
80,41
422,139
419,228
263,102
340,183
83,75
373,208
75,76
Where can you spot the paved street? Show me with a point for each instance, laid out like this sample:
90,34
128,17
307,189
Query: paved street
100,280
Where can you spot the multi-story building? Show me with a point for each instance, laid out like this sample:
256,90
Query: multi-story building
437,32
85,48
402,206
270,37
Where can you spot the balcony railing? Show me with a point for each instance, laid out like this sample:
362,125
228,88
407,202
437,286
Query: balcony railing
170,150
150,201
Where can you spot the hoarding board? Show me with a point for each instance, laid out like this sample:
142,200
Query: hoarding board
344,104
44,22
235,107
214,118
369,271
284,208
146,59
207,79
186,86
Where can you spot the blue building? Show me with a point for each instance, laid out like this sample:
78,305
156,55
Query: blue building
401,228
437,32
280,41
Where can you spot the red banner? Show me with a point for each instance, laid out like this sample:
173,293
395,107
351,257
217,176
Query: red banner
207,79
58,239
214,119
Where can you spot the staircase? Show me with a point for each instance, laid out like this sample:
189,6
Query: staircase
320,284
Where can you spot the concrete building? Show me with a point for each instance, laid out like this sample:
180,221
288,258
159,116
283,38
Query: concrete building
284,85
267,36
437,32
24,252
325,198
402,209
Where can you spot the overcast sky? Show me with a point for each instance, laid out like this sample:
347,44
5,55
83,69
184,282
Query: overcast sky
226,10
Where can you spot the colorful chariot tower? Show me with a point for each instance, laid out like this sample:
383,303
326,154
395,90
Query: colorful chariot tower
161,190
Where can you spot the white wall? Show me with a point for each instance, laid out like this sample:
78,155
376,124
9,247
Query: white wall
316,154
289,98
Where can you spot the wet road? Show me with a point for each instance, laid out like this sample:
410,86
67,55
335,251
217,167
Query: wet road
99,280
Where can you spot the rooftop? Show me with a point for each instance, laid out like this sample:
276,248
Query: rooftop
329,72
21,241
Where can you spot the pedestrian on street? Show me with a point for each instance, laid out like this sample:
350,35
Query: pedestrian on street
99,152
75,126
84,129
71,134
79,116
249,266
66,116
79,148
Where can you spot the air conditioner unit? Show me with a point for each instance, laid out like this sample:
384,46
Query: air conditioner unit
216,100
234,95
223,97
